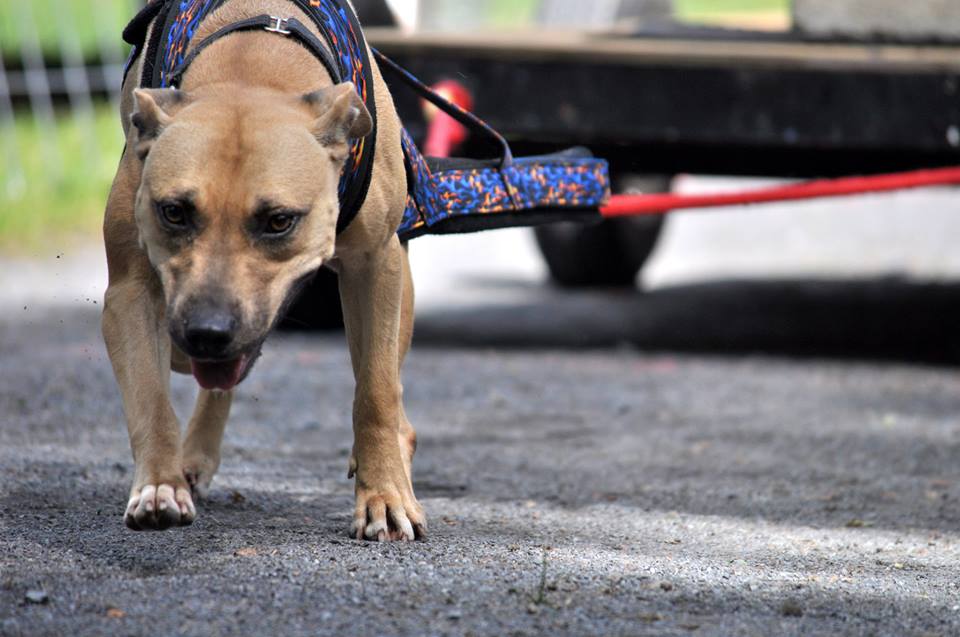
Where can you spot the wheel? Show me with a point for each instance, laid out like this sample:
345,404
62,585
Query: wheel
606,254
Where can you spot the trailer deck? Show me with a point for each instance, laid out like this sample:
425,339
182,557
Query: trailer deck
726,102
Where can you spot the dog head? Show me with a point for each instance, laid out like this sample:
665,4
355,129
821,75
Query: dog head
238,204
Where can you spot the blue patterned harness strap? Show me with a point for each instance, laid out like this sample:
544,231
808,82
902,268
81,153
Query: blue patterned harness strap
457,195
445,195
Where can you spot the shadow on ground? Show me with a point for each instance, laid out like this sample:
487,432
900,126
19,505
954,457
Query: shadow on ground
736,495
867,319
277,559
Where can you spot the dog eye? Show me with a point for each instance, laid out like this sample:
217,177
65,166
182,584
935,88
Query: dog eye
280,224
173,215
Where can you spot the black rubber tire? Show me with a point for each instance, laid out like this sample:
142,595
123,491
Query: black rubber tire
610,253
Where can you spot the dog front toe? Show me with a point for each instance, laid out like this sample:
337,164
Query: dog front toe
388,517
159,507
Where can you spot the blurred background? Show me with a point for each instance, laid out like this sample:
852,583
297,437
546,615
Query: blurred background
685,95
60,73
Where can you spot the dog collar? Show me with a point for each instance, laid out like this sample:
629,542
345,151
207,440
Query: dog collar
171,51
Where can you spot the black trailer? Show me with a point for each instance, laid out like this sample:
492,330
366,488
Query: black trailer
711,102
692,100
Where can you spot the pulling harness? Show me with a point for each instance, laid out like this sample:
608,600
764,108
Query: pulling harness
444,195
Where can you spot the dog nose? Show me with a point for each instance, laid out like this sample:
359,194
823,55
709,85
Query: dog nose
209,333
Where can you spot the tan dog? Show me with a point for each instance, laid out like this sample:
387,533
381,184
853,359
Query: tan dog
225,199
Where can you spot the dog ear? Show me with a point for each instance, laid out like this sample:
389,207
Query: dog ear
152,113
341,116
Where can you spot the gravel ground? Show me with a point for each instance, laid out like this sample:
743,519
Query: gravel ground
600,463
569,492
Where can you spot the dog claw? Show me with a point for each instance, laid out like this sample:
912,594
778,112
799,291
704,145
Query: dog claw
404,527
420,530
352,470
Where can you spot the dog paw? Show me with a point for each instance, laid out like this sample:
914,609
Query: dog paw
198,471
159,507
388,515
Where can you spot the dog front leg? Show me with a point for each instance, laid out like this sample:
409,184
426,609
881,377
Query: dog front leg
201,446
372,289
139,348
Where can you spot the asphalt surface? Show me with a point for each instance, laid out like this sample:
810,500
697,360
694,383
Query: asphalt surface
736,456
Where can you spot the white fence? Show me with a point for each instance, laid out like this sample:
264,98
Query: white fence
65,68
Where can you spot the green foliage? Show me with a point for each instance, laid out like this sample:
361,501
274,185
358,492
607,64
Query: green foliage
516,12
94,24
510,13
695,9
54,178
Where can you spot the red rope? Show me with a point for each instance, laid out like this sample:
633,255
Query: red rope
652,204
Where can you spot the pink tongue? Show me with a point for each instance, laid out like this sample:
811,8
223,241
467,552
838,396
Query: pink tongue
222,376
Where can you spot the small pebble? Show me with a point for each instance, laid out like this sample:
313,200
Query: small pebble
37,597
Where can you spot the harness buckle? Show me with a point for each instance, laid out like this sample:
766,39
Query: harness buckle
279,26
